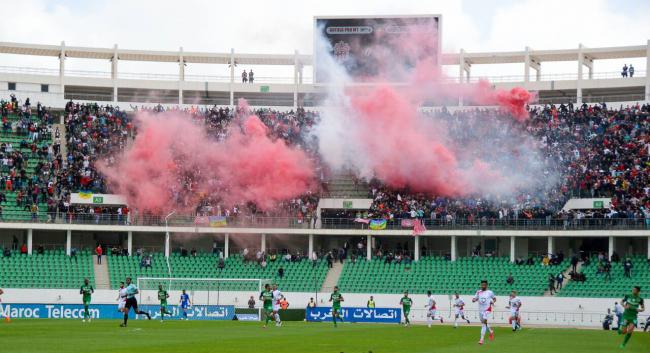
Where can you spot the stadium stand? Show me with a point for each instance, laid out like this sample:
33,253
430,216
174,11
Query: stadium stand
599,285
52,269
298,276
26,155
442,276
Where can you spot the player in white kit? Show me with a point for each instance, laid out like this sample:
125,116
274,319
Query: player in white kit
277,296
121,298
485,299
514,304
2,311
459,307
432,311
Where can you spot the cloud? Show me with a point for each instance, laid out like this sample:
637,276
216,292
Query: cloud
256,26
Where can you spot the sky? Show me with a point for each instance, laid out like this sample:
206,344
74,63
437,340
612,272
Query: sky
282,26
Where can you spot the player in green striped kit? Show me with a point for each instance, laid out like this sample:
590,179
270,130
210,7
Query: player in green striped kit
267,298
336,298
163,296
633,305
406,303
86,291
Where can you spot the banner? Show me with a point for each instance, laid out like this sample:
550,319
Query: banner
407,223
109,311
375,315
362,220
217,221
377,224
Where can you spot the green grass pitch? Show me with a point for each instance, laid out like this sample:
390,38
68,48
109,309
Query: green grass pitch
232,336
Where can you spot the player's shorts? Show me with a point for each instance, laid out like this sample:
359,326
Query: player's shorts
121,305
86,301
406,310
432,313
630,320
460,312
514,313
185,305
276,307
131,303
485,314
336,309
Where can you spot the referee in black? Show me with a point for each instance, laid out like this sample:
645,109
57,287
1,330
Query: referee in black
131,302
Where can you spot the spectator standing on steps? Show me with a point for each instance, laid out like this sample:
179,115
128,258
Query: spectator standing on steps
99,252
627,268
251,76
244,76
631,71
551,284
624,72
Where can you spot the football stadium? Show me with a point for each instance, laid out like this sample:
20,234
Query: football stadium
395,177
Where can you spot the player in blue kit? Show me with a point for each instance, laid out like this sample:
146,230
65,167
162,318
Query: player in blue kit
185,304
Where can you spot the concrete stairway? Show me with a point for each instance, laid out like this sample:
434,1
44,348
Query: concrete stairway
343,186
332,278
64,140
102,279
567,279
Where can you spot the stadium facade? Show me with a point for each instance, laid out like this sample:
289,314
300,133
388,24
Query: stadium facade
53,87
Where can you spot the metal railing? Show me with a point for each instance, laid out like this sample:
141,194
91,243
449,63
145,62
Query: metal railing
256,221
290,79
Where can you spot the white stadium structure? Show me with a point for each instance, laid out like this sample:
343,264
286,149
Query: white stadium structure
55,87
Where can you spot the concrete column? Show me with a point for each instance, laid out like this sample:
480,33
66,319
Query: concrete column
114,72
68,242
263,243
648,249
538,72
62,68
527,65
581,58
551,246
167,244
311,245
129,243
610,247
454,250
416,253
647,84
512,248
232,77
368,247
30,237
181,75
226,246
461,69
295,81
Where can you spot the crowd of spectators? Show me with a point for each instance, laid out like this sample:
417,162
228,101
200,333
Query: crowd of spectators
596,151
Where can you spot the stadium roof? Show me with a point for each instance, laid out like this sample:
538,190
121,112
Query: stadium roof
152,55
289,59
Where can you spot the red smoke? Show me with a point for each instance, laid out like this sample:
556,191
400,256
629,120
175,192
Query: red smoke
173,164
384,135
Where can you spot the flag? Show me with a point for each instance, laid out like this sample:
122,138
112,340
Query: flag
399,197
217,221
377,224
407,223
418,227
85,194
201,220
362,220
